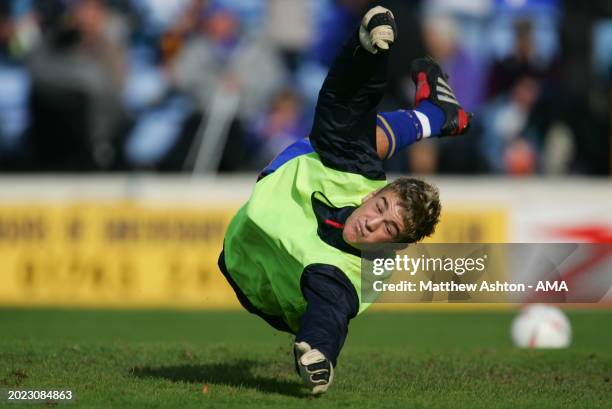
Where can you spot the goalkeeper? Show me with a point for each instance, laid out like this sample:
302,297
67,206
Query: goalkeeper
292,252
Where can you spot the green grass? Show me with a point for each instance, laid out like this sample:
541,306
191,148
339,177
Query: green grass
391,360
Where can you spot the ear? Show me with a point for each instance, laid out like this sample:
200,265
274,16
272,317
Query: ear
369,196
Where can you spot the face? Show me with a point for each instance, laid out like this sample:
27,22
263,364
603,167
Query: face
377,220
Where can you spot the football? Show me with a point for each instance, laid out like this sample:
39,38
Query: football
541,326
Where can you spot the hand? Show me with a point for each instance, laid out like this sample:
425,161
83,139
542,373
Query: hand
316,371
377,30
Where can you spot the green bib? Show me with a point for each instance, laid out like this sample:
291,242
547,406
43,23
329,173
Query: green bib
273,237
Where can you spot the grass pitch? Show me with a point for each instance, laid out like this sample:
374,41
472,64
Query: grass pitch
233,360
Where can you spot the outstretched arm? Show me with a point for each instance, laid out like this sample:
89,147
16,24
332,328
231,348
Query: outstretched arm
332,302
344,128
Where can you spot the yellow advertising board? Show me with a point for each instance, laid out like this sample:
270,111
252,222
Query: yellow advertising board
131,254
117,254
471,224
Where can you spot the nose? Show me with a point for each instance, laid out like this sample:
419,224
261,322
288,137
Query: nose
373,223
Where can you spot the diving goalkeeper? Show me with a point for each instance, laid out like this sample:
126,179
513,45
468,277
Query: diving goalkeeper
292,252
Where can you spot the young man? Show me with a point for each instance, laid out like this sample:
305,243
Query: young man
292,252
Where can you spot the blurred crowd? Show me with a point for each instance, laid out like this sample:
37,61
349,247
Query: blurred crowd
225,85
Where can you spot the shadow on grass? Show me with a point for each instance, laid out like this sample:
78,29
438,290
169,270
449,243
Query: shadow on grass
237,373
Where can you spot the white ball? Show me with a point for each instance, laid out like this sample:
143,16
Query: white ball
541,326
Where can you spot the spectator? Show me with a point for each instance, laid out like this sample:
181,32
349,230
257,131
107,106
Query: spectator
337,19
184,26
221,56
222,64
441,35
423,158
77,78
290,29
466,76
522,62
278,128
202,82
508,144
14,87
